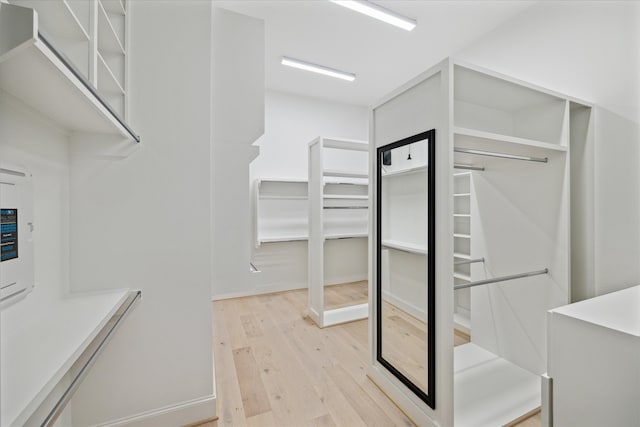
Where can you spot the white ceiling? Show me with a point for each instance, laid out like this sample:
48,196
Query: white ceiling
382,56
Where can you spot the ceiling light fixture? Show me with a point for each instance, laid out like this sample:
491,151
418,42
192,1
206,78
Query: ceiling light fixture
378,12
296,63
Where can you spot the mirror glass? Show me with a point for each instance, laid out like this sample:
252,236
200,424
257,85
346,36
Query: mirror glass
405,268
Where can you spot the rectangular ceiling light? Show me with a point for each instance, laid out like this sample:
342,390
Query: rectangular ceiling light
296,63
378,12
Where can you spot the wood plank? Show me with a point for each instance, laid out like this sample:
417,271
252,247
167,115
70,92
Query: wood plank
250,325
254,396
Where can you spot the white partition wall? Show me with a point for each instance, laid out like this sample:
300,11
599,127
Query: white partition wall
338,212
502,236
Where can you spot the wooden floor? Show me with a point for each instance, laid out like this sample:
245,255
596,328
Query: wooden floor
275,367
346,294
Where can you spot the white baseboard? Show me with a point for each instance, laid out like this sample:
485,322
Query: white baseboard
405,306
170,416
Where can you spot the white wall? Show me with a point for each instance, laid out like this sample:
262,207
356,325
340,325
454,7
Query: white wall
291,122
589,50
140,218
238,120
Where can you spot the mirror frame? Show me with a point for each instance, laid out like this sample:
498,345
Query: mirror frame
430,396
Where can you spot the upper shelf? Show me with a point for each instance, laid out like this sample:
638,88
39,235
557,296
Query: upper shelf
32,70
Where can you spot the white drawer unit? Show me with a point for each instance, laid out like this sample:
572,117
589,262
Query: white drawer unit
16,208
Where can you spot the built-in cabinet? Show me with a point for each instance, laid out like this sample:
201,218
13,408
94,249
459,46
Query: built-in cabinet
501,168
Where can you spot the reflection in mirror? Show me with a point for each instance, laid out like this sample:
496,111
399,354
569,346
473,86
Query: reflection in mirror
405,268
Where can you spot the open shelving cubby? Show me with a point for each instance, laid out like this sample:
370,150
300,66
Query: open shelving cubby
281,210
59,49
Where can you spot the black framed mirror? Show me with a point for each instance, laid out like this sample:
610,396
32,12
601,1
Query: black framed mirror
405,268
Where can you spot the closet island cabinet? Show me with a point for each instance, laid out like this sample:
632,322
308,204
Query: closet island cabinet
485,251
67,59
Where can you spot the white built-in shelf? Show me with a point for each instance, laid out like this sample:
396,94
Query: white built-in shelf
37,353
461,236
113,6
58,19
462,322
281,197
35,73
461,276
405,246
345,197
336,236
462,215
276,239
108,84
345,144
461,174
464,134
462,195
345,174
461,255
414,169
108,40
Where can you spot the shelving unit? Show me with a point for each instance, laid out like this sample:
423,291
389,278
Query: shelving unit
338,209
57,51
282,211
462,185
510,210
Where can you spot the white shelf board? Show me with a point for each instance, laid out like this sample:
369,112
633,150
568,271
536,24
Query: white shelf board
277,239
281,197
108,40
462,276
489,390
336,236
405,246
345,197
414,169
462,215
345,144
462,236
33,73
108,84
463,134
462,195
345,174
37,353
462,322
461,174
282,180
113,6
57,20
461,255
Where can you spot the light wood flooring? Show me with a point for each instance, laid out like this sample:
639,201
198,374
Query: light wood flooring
275,367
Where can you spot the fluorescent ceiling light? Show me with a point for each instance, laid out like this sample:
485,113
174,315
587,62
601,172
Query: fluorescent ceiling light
296,63
378,12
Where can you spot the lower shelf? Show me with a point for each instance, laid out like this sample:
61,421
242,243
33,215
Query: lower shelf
489,390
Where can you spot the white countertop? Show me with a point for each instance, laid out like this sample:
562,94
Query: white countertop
618,311
40,342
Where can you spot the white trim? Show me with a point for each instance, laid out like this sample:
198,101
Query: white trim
174,415
345,314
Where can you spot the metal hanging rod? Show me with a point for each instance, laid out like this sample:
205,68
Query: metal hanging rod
468,167
345,207
468,261
501,279
501,155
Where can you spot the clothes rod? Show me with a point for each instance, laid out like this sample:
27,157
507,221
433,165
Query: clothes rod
468,261
500,279
116,319
501,155
468,167
345,207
